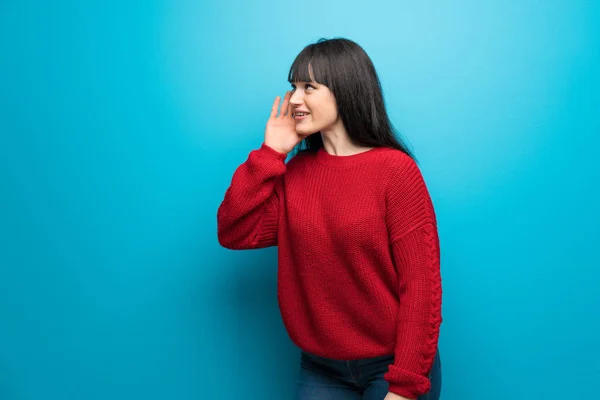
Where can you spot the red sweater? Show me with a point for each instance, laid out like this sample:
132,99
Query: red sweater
359,261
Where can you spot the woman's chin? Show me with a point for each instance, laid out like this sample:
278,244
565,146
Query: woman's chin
305,132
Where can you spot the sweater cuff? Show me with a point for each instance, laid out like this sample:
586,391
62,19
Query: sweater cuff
407,384
271,152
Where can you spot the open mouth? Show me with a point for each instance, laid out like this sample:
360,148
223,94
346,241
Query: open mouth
300,115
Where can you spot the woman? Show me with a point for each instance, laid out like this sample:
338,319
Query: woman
359,284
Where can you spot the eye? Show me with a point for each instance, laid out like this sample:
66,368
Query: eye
308,85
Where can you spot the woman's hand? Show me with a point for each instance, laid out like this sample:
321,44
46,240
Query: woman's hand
394,396
280,133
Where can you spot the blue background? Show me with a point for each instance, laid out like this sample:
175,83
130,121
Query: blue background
122,122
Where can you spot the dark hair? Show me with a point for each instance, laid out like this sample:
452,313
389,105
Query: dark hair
346,69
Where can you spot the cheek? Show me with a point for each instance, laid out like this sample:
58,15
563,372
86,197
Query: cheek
332,112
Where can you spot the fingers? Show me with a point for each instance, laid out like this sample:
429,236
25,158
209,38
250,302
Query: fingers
274,108
285,105
286,108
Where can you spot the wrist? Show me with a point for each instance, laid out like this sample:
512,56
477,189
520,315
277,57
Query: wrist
274,148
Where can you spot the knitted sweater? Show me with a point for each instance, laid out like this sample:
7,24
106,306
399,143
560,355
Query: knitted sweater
358,252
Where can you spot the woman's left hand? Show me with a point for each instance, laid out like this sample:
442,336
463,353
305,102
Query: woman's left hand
394,396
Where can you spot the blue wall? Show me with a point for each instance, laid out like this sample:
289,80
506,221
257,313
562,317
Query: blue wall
122,123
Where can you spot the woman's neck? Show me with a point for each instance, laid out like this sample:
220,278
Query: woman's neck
337,142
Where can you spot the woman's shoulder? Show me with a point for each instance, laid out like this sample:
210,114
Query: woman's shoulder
395,159
399,168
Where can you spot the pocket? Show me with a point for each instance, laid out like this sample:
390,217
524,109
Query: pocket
375,368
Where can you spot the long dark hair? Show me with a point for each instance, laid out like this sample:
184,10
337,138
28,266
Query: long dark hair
347,70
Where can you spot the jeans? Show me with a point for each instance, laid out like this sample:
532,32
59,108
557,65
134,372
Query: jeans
327,379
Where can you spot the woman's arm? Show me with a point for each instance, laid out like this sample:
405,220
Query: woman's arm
415,246
249,214
248,217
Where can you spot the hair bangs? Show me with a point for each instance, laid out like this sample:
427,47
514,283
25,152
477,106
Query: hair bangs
309,66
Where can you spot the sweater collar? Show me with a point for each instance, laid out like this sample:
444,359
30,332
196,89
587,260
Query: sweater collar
325,158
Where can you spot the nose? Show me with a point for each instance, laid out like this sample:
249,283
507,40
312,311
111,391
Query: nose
296,98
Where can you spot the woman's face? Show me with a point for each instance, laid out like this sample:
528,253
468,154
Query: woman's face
317,103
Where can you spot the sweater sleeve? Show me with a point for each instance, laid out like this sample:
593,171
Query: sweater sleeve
414,240
249,214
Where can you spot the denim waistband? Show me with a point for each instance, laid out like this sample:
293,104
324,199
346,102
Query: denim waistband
370,360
